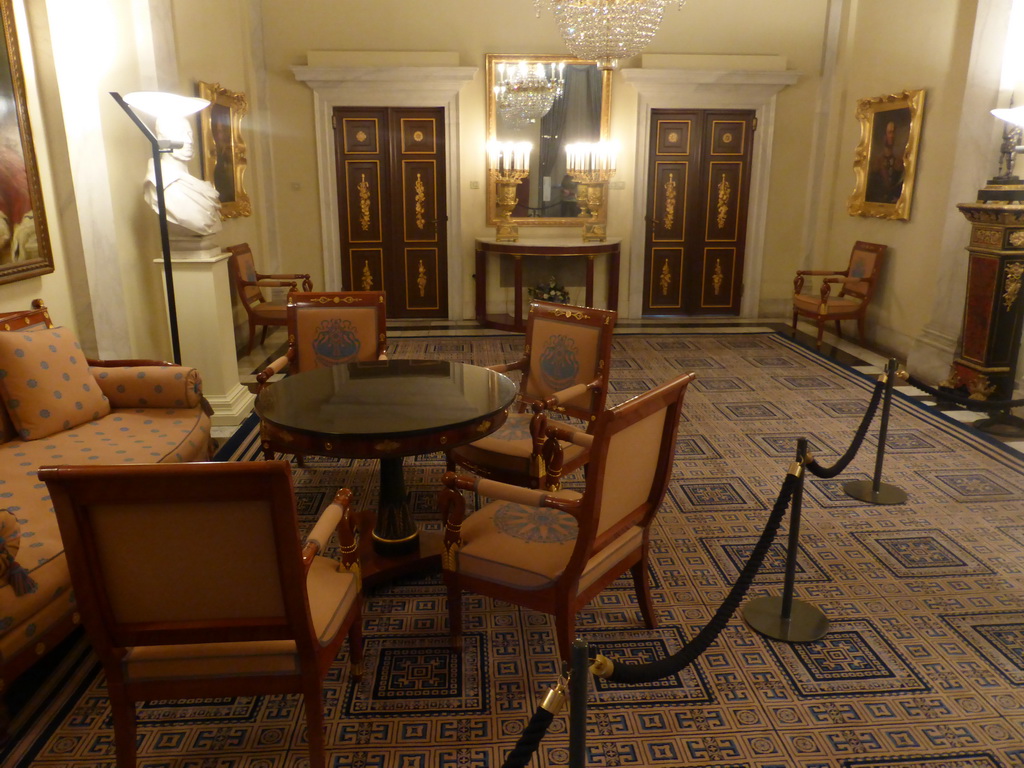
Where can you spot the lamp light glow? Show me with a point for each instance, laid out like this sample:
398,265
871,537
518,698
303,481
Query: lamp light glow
160,104
1014,115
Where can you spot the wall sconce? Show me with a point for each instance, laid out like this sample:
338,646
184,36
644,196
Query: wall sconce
158,105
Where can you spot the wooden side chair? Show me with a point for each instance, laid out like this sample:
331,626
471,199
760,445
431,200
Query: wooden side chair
326,329
555,551
858,283
248,287
193,583
564,369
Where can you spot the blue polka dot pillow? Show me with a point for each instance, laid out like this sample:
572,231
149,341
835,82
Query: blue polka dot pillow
45,382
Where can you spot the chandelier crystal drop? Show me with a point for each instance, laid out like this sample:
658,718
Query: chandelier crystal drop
606,31
524,92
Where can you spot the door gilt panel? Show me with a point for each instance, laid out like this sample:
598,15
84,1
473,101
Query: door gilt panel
723,196
728,137
419,136
670,185
421,281
362,182
673,137
718,279
419,200
665,280
367,269
362,135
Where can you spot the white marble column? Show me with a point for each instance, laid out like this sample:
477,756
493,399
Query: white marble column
206,331
975,160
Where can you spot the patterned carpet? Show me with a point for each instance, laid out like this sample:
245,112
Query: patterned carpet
923,665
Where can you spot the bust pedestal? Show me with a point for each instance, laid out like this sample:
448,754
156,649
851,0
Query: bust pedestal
206,330
986,365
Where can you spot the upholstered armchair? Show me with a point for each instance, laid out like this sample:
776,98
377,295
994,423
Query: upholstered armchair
554,551
327,329
564,370
248,286
192,582
857,285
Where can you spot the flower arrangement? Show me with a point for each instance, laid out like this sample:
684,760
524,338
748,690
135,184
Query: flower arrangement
549,290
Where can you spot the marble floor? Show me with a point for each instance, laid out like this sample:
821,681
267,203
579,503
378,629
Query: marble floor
841,350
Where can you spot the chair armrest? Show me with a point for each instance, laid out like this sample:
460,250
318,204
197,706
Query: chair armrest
307,284
847,280
149,386
262,283
570,434
555,399
336,518
821,272
519,365
274,368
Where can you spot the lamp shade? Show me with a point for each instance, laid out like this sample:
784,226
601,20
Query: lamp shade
159,104
1013,115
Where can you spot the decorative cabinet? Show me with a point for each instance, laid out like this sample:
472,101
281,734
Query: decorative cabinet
490,251
991,335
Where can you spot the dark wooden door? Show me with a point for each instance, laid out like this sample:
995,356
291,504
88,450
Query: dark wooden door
696,211
392,206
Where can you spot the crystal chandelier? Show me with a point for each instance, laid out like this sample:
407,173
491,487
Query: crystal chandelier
606,30
524,93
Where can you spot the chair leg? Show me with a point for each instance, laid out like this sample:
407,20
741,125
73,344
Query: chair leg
263,336
125,733
454,612
794,321
313,699
860,329
355,646
821,330
565,632
839,329
643,592
252,335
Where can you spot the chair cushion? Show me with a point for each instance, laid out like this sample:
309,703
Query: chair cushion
836,306
526,547
274,311
45,382
509,448
331,596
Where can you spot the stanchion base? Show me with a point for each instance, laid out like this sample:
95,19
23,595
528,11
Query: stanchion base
865,491
806,623
1002,424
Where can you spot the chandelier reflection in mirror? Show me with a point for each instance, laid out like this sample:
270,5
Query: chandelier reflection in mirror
606,30
525,92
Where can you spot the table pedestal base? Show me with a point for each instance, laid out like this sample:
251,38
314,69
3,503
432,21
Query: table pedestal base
395,532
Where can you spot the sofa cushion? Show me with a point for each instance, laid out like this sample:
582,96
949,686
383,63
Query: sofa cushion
45,382
149,386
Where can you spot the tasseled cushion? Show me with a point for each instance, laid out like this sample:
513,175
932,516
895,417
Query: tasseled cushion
12,572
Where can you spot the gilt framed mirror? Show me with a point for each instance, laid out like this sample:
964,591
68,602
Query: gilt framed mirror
579,112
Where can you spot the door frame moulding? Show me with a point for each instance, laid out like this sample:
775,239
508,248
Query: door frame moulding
708,89
386,87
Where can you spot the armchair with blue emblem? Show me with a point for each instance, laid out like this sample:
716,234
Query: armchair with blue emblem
326,329
564,370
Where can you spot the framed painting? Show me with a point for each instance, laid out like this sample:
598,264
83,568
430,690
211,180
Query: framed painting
24,239
220,131
885,162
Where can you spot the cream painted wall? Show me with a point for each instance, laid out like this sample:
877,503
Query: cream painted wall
879,58
475,29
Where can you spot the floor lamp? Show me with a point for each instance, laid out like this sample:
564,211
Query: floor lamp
158,104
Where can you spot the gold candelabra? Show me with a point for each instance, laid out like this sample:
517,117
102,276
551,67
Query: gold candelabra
590,196
506,199
509,165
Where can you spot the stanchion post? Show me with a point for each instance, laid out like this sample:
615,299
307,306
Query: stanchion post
785,618
876,491
578,692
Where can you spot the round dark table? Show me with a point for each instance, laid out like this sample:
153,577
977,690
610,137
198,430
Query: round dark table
385,409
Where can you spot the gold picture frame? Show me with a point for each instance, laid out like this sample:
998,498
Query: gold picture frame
24,238
885,162
224,159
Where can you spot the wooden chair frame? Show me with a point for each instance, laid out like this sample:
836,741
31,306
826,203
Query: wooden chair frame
563,598
300,300
541,404
861,287
251,296
75,491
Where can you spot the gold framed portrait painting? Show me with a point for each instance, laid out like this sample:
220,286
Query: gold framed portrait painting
24,238
885,162
220,129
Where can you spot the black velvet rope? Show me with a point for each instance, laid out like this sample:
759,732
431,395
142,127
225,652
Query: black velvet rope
530,739
974,405
816,469
644,673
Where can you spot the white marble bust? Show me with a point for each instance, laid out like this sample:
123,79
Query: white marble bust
193,205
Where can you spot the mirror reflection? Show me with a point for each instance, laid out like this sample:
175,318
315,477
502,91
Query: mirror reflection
550,102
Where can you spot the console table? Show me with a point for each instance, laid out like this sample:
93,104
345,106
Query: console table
561,247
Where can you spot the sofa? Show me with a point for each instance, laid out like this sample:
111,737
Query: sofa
58,407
